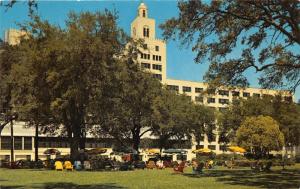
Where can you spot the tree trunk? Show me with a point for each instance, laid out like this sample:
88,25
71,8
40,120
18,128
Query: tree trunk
136,140
36,143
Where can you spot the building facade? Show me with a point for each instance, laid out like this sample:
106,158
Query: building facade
153,58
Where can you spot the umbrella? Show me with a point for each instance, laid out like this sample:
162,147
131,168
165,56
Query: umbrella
152,151
236,149
97,151
202,150
175,151
52,151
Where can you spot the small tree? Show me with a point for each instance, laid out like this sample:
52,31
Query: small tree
260,134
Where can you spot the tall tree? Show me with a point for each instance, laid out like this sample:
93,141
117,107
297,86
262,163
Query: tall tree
171,117
68,69
260,135
128,116
235,36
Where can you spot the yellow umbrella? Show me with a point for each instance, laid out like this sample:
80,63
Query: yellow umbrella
153,151
202,150
97,151
236,149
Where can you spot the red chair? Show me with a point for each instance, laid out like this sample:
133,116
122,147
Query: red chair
179,168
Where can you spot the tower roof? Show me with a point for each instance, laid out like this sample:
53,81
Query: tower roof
143,6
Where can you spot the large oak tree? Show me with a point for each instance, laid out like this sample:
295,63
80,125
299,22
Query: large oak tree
235,36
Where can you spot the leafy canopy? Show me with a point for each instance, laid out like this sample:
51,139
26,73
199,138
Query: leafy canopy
235,36
260,134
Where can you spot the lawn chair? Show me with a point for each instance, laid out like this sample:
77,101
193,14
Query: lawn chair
87,165
268,166
58,166
151,165
68,166
199,168
77,165
229,164
179,168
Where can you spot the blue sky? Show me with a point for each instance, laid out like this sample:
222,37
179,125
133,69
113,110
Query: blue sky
180,59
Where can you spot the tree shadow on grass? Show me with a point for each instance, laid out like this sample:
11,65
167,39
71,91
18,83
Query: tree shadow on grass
273,179
67,185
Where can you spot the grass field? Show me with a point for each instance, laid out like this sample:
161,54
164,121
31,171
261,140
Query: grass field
144,179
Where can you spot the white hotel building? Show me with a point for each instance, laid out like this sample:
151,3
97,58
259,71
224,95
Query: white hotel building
153,58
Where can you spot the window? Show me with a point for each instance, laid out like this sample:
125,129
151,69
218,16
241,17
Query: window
156,48
199,146
145,65
156,67
142,56
186,89
157,76
223,101
159,58
27,143
181,157
145,46
5,143
245,94
199,99
212,147
18,143
153,57
211,100
223,93
256,95
198,90
146,32
144,13
235,93
223,148
173,87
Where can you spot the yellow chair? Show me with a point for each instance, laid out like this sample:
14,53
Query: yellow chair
58,166
68,165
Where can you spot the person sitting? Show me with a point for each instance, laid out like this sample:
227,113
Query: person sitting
198,169
210,164
179,168
151,165
160,164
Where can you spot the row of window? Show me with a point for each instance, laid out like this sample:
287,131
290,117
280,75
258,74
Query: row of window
221,92
145,56
157,76
18,143
148,66
156,57
145,46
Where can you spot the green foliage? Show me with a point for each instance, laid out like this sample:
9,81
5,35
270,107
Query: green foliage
260,135
176,116
286,113
60,74
263,35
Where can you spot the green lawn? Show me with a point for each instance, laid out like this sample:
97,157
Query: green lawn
144,179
